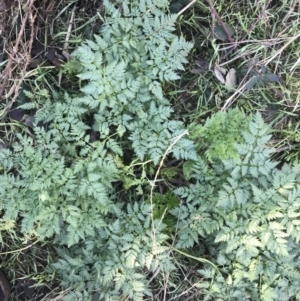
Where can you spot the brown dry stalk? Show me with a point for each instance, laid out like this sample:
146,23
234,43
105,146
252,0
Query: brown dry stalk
220,21
27,60
248,31
8,67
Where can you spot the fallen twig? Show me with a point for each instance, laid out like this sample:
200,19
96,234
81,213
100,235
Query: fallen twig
186,7
220,21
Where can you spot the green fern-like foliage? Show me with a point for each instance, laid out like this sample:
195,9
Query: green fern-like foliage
220,133
80,178
246,212
117,261
122,71
163,204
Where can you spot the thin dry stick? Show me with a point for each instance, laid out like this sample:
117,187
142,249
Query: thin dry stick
220,21
61,295
257,20
292,9
290,147
245,53
292,39
186,7
67,40
19,250
18,86
238,91
154,275
193,295
69,29
295,65
7,69
248,31
156,176
202,260
242,88
166,286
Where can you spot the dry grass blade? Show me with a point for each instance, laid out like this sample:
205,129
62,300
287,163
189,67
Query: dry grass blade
7,70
